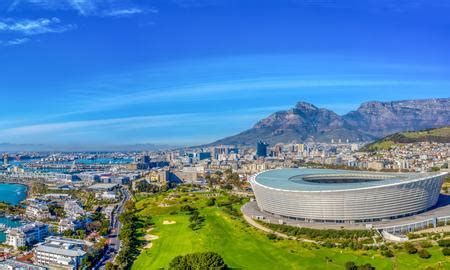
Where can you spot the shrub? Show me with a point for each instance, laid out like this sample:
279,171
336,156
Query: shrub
211,202
350,266
196,221
221,204
410,248
424,254
320,234
426,244
328,245
366,266
187,208
444,243
446,251
199,260
272,236
387,253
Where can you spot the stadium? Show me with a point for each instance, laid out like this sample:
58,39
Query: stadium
337,196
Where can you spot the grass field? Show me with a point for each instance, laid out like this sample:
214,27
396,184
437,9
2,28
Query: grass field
243,247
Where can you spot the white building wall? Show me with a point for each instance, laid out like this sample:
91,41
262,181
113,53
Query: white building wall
382,202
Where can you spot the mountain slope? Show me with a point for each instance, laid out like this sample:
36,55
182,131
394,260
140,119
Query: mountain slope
372,120
383,118
441,135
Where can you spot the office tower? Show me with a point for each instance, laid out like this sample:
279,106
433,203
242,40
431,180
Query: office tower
261,149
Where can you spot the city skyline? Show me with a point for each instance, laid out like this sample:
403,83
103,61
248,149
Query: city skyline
191,72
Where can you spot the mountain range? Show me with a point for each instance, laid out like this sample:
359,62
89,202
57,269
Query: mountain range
372,120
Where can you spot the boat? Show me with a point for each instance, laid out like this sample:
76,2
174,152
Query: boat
14,218
3,227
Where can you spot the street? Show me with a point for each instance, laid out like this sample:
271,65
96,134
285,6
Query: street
113,238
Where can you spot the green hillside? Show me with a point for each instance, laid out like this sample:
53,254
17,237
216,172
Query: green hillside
441,135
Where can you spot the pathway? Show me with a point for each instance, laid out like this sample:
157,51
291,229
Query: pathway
282,235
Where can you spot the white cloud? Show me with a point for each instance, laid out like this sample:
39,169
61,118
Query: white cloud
214,90
81,6
123,12
110,8
14,42
84,7
129,122
34,27
134,123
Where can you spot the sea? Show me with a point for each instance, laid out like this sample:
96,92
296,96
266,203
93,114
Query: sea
13,194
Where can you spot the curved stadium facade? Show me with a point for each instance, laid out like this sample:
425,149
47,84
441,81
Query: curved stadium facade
344,196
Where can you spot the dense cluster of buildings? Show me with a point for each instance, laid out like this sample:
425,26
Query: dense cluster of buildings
104,174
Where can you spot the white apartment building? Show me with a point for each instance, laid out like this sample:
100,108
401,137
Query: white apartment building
73,209
26,234
59,252
11,264
37,211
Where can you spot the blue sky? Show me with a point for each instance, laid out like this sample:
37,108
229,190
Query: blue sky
192,71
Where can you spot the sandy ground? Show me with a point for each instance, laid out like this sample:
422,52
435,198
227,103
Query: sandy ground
168,222
149,238
148,246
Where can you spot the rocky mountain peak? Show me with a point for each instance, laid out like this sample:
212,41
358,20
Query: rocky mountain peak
305,106
372,120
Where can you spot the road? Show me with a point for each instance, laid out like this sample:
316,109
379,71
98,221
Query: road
113,240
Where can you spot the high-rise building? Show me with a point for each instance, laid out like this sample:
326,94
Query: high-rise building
261,149
203,155
146,159
300,148
5,160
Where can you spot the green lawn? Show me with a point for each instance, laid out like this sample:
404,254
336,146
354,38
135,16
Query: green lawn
437,260
243,247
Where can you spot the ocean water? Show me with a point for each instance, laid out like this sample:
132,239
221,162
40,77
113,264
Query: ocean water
13,194
104,161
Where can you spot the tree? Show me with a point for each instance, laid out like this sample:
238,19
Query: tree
68,233
38,188
425,244
424,254
211,202
444,243
85,263
387,253
366,266
128,235
446,251
110,266
94,226
81,234
410,248
199,260
23,248
350,266
129,206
